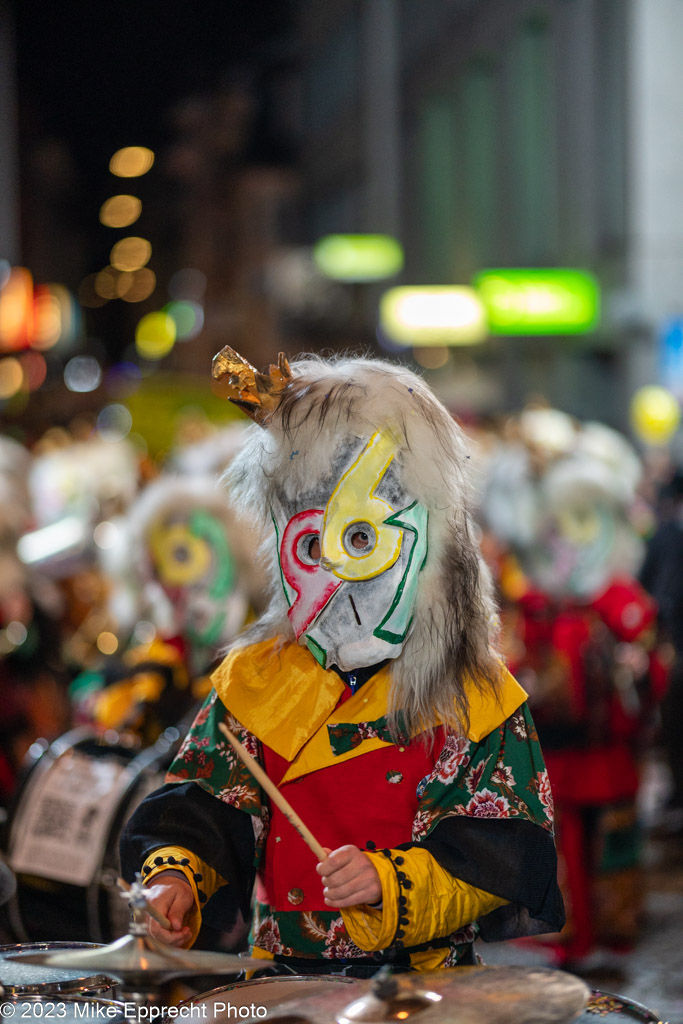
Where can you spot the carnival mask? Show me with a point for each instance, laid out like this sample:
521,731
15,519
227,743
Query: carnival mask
350,555
193,563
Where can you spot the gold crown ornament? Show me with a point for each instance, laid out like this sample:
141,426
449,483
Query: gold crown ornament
257,394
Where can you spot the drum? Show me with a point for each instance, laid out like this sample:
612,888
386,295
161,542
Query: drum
20,980
63,1010
64,831
256,998
614,1009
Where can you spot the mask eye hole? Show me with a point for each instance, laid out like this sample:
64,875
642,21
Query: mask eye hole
308,548
359,539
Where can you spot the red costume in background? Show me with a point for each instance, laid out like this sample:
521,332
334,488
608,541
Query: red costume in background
594,678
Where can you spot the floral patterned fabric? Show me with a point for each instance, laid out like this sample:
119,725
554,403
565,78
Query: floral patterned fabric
500,777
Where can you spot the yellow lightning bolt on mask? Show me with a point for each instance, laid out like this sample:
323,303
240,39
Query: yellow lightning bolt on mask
356,543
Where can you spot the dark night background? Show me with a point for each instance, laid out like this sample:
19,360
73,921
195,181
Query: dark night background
102,75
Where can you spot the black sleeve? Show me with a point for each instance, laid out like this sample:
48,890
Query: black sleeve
186,815
511,858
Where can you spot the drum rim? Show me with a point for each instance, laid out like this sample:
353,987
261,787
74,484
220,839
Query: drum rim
647,1015
87,985
262,981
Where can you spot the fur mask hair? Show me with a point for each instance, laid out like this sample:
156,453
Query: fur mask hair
452,637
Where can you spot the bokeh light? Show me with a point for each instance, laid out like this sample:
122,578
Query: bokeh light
56,319
358,257
139,284
655,414
189,283
433,315
82,374
155,335
130,253
16,310
107,643
123,379
47,318
11,377
114,422
34,369
87,294
120,211
431,358
188,317
131,161
106,535
549,300
106,283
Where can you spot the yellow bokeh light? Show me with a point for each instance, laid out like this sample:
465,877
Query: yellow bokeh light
131,161
655,414
107,643
120,211
139,285
11,377
155,335
131,253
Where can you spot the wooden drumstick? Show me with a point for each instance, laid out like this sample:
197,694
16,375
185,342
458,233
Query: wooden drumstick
274,793
149,909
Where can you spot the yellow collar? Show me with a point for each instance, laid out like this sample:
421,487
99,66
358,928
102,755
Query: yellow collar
279,692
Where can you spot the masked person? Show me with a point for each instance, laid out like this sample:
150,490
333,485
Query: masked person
370,691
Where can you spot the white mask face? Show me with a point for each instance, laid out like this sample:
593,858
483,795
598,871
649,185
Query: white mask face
350,561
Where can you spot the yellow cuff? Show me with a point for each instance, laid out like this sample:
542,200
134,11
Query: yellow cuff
373,928
203,880
421,901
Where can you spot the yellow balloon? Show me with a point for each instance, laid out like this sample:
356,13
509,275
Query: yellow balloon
655,414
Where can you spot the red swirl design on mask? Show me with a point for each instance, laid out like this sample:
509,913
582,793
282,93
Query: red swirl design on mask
314,585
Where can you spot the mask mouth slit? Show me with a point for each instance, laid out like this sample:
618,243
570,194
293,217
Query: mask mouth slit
355,611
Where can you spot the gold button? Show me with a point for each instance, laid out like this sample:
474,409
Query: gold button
295,896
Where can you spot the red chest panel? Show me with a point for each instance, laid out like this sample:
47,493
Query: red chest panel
369,798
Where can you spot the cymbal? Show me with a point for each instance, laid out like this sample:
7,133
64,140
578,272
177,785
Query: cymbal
135,955
457,995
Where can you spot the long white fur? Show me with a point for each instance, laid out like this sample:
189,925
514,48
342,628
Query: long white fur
295,452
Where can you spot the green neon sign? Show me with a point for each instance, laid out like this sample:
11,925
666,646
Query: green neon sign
358,257
543,301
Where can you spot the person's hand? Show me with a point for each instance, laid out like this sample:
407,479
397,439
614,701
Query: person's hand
349,877
172,895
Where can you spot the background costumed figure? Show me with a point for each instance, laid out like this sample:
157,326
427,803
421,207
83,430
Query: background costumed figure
371,692
184,584
579,633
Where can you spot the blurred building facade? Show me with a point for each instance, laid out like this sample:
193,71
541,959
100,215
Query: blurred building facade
9,166
539,133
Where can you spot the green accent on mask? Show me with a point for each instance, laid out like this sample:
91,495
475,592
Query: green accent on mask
282,578
395,625
203,524
318,652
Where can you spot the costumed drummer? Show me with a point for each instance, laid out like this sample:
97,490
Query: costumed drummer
371,693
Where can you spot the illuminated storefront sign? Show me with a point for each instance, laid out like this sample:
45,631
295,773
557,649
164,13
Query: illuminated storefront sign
358,257
543,301
433,315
